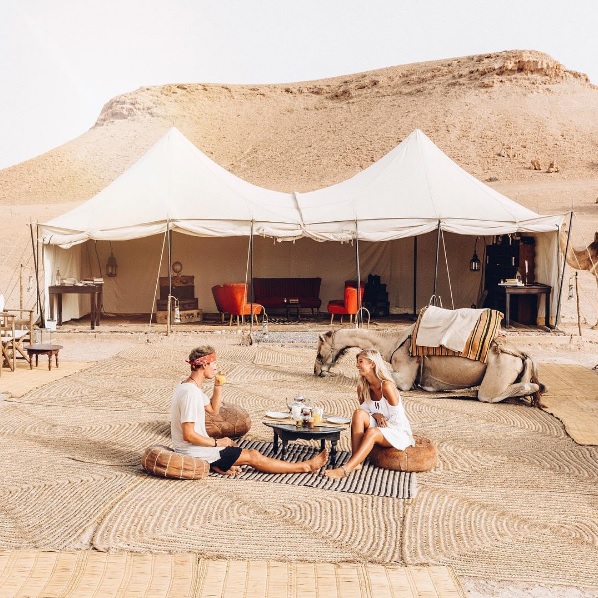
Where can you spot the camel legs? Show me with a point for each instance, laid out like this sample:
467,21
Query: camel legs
499,382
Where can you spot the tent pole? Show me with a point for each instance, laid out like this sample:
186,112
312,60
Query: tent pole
359,314
251,281
436,264
168,316
558,303
414,275
36,267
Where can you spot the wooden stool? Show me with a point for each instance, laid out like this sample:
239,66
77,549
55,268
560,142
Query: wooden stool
421,457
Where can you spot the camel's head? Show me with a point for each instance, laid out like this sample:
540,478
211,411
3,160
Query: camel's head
327,355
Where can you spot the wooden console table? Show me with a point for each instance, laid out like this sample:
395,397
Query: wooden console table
95,295
528,289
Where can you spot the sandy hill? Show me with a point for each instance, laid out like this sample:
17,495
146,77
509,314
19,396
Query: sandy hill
491,113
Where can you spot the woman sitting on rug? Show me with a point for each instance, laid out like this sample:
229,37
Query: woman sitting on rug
380,419
188,425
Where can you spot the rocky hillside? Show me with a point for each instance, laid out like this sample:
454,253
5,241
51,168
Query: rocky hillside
492,113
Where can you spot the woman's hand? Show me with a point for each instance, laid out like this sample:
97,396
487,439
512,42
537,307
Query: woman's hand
380,420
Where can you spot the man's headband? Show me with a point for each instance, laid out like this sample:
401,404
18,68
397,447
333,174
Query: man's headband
203,361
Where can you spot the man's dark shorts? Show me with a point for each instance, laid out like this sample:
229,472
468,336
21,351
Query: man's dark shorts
228,456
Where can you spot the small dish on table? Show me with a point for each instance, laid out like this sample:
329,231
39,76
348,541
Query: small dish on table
277,414
333,419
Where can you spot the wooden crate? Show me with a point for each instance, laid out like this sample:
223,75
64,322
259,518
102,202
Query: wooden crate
187,315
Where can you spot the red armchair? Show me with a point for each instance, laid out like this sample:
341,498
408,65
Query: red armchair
348,305
235,302
220,298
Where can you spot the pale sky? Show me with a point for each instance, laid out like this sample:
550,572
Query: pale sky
62,60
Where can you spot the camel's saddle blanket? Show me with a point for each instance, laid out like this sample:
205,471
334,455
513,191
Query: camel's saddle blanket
460,332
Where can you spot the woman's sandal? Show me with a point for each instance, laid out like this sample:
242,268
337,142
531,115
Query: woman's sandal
345,471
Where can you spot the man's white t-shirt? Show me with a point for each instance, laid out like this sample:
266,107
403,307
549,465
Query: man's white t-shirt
188,405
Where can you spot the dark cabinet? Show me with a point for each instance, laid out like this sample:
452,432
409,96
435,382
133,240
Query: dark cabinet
375,297
183,288
503,259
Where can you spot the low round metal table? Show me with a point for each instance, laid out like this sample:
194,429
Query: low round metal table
43,349
289,431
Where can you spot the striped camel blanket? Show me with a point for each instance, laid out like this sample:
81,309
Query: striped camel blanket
476,331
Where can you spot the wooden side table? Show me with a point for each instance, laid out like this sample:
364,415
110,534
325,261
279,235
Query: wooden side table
41,349
94,291
528,289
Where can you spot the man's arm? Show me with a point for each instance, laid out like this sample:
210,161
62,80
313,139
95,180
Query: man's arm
190,435
213,407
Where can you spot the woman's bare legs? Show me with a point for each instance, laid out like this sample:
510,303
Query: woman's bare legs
371,437
360,422
268,465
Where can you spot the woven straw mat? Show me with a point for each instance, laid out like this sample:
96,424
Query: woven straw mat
513,497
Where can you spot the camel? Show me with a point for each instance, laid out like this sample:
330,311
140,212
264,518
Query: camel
507,373
582,258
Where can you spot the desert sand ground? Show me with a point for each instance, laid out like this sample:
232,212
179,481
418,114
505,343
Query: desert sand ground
492,114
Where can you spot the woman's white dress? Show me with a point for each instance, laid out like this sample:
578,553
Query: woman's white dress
398,430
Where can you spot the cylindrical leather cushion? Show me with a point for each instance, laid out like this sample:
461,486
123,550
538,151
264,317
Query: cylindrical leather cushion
232,421
421,457
164,462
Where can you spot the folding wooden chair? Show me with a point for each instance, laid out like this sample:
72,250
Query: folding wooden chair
23,333
7,341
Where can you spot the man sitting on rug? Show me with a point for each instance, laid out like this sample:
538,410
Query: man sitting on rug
188,425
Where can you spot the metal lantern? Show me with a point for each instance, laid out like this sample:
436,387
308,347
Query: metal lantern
474,263
111,266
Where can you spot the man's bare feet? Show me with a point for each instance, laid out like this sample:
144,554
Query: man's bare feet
317,462
232,471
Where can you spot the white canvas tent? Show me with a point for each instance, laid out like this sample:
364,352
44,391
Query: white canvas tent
414,190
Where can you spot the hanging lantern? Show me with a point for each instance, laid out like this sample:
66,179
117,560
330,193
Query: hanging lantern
111,266
474,263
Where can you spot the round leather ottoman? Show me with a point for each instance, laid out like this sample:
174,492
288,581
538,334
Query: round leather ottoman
421,457
164,462
232,421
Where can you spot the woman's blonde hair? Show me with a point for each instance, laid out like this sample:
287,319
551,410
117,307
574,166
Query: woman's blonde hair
380,371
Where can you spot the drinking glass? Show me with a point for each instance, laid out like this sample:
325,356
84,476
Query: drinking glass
317,414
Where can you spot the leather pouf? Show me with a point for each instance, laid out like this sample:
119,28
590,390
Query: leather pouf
232,421
164,462
421,457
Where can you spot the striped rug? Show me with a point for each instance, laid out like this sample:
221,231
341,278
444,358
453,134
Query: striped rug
369,480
